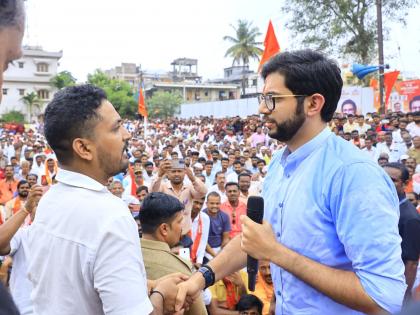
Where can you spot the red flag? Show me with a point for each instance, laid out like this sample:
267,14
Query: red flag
389,80
142,104
271,46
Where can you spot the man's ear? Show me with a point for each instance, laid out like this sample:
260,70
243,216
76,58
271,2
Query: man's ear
316,103
84,148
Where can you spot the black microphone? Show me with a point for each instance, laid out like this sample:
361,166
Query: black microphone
254,211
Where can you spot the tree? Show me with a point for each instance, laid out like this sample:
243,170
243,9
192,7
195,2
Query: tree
345,27
245,45
164,104
13,116
62,80
31,100
119,93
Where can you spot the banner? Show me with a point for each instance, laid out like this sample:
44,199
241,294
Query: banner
406,96
356,100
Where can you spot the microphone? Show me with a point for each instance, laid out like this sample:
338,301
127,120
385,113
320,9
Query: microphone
254,211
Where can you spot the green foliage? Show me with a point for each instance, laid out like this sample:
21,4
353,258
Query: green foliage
346,27
119,93
163,104
62,80
31,100
13,116
245,45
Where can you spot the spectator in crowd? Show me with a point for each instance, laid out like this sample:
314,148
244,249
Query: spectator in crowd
350,125
250,305
175,172
414,151
409,225
234,207
8,186
264,286
244,183
18,203
219,226
161,221
219,187
199,232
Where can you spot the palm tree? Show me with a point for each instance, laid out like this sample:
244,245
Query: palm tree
245,45
31,100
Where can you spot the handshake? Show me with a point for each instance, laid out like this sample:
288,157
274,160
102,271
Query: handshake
177,290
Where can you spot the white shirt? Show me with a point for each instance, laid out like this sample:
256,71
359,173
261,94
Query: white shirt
372,153
413,129
85,252
232,177
205,221
215,188
20,286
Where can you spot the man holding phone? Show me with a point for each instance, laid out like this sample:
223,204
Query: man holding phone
175,172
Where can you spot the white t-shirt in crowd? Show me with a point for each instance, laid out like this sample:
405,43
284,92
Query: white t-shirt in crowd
205,224
85,252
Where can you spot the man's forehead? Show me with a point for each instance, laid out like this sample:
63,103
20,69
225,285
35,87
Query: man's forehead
274,82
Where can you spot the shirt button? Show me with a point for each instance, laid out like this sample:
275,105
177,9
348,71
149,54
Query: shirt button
278,234
278,293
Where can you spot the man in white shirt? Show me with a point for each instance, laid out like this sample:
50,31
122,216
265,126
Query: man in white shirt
370,150
219,187
85,253
361,126
389,147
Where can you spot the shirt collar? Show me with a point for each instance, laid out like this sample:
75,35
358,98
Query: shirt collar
291,160
158,245
78,180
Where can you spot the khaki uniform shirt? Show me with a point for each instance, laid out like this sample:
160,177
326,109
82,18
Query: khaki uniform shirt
160,261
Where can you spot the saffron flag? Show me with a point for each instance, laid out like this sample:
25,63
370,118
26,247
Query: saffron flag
142,104
271,46
389,80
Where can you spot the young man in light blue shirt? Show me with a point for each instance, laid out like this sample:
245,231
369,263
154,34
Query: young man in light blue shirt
331,214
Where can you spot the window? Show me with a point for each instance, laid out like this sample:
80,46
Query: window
206,93
5,91
42,67
20,65
21,92
254,82
43,94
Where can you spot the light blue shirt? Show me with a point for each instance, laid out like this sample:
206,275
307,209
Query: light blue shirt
329,202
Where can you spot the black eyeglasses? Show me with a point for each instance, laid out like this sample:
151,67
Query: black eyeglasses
269,99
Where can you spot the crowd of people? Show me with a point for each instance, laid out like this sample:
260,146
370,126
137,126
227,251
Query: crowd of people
200,171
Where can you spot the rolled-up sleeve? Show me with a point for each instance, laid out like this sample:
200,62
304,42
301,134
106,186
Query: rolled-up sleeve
365,208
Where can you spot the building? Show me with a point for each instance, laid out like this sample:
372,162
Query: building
31,73
183,79
196,92
249,81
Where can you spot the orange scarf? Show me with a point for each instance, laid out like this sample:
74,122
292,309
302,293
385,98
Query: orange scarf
17,205
232,297
48,175
197,240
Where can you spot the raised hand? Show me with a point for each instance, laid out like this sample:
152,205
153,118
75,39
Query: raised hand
34,196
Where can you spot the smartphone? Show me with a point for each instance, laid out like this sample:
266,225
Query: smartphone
185,253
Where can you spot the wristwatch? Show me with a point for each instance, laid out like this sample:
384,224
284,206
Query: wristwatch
208,274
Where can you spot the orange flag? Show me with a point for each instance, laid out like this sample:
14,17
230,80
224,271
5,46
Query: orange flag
271,46
142,104
389,80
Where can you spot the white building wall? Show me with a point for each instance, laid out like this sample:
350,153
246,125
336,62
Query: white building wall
29,79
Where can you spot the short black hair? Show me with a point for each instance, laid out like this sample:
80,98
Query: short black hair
158,208
244,174
71,114
209,162
213,194
141,188
401,167
22,182
248,301
231,184
218,173
12,13
307,72
224,159
148,163
237,162
201,159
